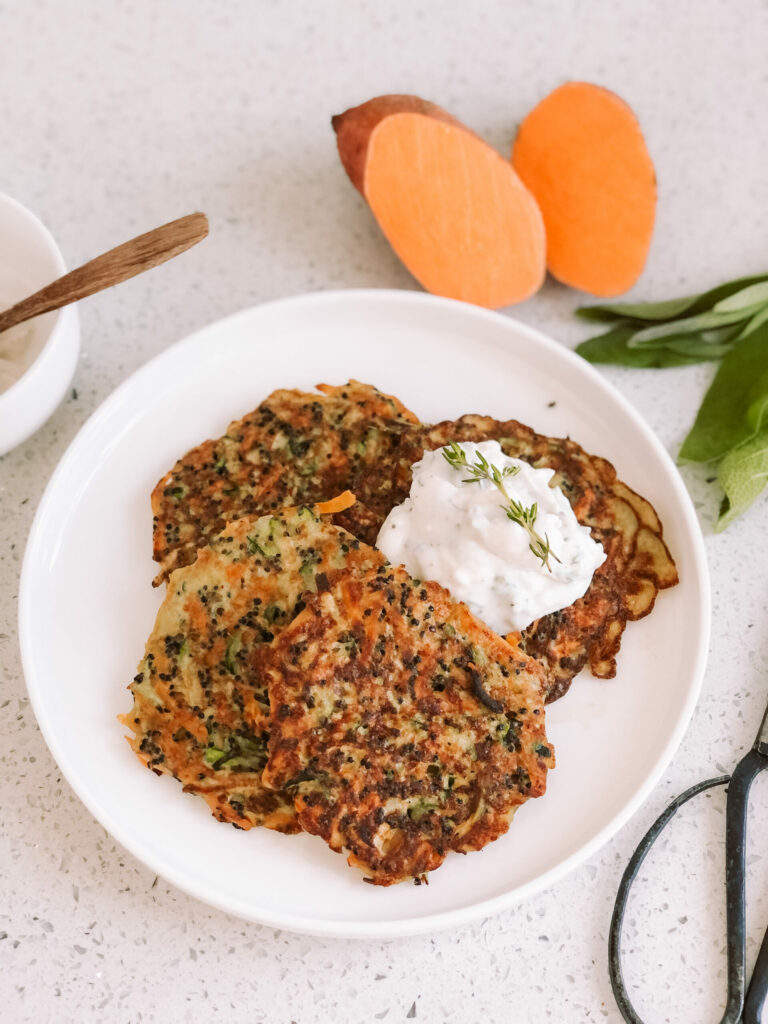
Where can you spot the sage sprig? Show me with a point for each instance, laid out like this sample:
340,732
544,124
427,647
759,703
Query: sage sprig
482,469
669,309
676,332
727,323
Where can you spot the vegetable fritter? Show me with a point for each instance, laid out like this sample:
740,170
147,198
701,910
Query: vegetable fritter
199,712
299,447
295,448
403,727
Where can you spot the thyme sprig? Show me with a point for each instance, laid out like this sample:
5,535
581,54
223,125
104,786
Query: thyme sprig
482,469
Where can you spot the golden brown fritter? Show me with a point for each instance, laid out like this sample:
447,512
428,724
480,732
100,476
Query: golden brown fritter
299,447
624,587
403,726
295,448
199,712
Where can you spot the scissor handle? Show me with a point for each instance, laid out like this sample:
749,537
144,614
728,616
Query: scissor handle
620,993
735,846
735,849
758,987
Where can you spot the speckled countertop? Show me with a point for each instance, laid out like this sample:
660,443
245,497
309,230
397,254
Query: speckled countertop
120,116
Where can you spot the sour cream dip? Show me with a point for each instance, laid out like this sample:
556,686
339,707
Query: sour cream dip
458,533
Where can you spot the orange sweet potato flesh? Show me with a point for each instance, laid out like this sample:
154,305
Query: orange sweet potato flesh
582,154
453,210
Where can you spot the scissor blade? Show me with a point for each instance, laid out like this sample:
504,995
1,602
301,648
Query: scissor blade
761,743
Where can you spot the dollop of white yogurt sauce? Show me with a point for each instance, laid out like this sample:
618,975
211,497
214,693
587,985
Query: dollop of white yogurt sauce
457,534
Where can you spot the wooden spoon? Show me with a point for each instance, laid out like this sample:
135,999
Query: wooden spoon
126,260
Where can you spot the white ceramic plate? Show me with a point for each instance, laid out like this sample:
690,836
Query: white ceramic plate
86,604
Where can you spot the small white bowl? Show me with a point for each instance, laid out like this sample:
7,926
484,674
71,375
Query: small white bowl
30,259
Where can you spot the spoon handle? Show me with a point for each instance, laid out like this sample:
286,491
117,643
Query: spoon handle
125,261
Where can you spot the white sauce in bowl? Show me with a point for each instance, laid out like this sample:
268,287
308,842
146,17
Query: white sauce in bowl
458,534
16,344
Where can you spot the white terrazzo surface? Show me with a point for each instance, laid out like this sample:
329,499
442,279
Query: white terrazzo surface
118,116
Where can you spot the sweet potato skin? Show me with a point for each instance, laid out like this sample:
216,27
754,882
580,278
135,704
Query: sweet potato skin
354,127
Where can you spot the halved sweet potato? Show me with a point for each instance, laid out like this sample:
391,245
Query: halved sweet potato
453,210
583,156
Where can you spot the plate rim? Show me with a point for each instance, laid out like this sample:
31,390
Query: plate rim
399,927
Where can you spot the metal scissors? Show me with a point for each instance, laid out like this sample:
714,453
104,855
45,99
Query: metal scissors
739,1009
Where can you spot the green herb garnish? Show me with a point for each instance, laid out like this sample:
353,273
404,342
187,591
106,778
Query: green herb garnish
728,323
482,469
254,548
307,568
233,648
264,548
421,808
243,752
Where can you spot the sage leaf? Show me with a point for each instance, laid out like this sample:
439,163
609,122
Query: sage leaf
736,403
667,358
715,337
692,325
753,323
757,413
730,323
612,347
743,475
637,310
705,351
720,335
752,295
669,309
